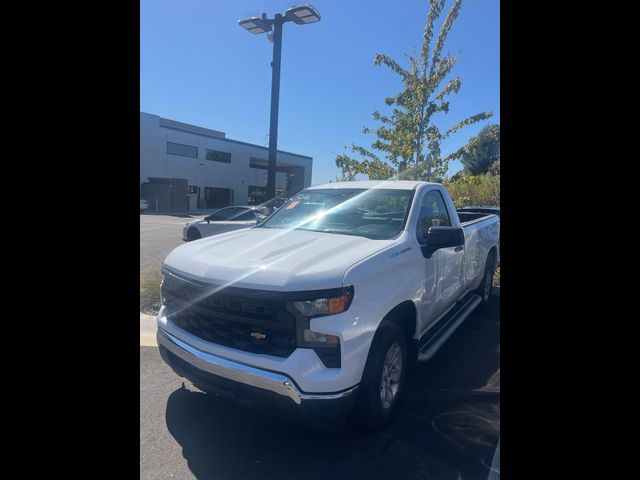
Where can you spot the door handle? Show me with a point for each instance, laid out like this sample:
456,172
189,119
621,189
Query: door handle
458,248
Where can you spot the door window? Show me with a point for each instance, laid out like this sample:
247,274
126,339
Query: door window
226,214
245,216
433,213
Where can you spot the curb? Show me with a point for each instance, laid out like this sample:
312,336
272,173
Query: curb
148,328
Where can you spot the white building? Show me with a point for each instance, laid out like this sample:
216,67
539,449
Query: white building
184,167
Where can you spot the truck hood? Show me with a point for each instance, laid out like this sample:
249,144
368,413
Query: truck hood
273,259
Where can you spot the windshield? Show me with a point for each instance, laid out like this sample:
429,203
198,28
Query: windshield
373,213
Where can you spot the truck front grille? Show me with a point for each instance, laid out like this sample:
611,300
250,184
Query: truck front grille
232,317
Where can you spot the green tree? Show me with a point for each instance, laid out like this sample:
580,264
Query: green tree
482,151
408,139
371,166
494,169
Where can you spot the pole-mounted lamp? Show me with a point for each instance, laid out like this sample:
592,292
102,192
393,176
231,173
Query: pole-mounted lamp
302,15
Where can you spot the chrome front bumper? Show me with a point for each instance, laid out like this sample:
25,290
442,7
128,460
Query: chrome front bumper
277,383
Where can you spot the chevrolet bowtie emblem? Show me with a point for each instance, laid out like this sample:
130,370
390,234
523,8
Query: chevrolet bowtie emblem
258,335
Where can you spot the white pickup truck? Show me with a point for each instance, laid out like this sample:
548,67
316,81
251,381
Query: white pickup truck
318,311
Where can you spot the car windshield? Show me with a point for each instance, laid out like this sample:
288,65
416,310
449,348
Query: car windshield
374,213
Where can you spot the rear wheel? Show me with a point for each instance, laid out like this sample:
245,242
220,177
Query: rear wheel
383,377
193,234
486,285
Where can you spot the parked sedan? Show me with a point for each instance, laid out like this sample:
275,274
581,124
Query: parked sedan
224,220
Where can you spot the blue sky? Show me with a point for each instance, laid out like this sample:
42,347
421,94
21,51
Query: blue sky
198,66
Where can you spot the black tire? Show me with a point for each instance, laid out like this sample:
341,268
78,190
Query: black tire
370,412
193,234
486,285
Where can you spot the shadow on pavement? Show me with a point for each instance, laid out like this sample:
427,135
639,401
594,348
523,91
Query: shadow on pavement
446,428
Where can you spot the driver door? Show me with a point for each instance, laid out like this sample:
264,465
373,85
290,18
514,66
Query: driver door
443,272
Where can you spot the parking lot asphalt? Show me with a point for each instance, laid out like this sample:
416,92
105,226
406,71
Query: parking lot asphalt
447,427
159,234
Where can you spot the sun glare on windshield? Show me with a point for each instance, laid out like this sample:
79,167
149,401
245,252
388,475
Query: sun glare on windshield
373,213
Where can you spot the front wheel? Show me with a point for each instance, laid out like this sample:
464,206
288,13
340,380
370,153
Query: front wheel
383,377
193,234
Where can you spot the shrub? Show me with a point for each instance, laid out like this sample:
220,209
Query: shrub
474,190
462,202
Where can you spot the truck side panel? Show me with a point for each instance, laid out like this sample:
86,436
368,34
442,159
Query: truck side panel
480,237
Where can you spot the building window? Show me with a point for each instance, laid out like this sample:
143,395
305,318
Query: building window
182,150
258,163
216,156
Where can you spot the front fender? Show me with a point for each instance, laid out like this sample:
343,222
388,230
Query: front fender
382,282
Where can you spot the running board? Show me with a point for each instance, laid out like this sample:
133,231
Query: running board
436,336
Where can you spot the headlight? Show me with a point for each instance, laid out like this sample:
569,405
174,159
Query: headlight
325,306
326,346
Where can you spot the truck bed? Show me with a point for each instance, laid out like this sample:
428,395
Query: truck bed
467,218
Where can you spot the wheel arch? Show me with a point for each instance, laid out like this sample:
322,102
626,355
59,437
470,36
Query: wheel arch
493,256
193,228
405,314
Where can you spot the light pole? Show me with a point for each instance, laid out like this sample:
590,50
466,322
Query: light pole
301,15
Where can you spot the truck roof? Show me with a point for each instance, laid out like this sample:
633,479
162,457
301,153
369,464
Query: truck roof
392,184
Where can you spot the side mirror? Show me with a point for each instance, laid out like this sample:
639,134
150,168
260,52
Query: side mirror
441,237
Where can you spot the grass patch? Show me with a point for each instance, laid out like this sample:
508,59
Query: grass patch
150,293
496,277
